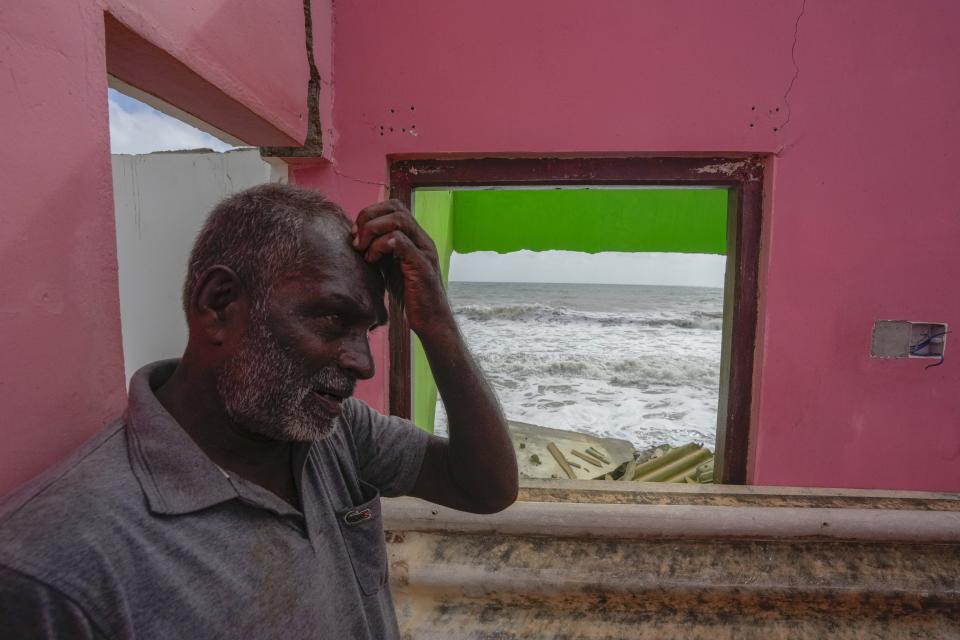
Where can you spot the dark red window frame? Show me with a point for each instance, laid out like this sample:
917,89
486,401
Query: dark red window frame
741,176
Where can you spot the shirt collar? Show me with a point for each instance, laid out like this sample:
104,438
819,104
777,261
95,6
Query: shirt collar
175,474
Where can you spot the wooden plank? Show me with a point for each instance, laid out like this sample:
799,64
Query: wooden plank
587,458
561,460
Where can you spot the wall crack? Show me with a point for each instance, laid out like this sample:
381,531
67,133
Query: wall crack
796,66
360,180
313,144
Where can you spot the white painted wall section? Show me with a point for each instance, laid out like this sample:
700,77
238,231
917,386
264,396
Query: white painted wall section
161,200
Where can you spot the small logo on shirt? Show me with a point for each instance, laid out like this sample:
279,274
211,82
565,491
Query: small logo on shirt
356,517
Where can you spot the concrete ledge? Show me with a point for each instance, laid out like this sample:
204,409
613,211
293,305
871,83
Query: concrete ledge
601,491
631,569
637,521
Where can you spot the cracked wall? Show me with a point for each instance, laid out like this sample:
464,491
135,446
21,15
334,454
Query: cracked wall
854,101
861,220
239,64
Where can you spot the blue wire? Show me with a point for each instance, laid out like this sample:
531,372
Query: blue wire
926,341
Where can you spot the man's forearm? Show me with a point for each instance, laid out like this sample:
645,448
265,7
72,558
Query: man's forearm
475,470
481,456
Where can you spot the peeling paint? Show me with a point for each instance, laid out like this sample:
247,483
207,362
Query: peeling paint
425,171
746,169
726,168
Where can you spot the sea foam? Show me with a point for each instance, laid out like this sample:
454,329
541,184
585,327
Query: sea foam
634,362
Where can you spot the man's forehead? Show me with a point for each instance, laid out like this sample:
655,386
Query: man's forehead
333,271
325,233
321,285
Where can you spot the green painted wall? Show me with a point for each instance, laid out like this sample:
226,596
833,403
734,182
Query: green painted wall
434,211
591,220
586,220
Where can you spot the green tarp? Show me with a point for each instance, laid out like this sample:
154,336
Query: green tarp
587,220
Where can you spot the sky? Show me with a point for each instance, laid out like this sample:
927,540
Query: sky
138,128
666,269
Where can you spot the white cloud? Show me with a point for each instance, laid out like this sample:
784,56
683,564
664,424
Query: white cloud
145,130
671,269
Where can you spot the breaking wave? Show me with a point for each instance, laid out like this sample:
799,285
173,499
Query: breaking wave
637,372
634,362
541,313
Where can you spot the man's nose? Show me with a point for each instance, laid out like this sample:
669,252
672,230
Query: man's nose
355,356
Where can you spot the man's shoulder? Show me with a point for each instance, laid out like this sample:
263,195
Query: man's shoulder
81,473
356,411
355,414
361,423
352,406
68,505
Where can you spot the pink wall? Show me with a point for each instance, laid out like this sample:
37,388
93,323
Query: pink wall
861,224
862,220
239,65
61,372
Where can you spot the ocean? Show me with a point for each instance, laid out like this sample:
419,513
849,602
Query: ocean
636,362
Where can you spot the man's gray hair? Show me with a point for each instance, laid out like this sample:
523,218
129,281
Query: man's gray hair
258,234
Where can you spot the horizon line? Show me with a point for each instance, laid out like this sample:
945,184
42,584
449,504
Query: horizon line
618,284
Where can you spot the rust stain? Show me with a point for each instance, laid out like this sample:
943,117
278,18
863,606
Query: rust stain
502,585
467,586
394,537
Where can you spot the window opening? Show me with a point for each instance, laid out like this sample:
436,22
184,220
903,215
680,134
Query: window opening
137,127
167,176
610,325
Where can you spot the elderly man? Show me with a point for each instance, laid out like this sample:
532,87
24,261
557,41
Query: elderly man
239,494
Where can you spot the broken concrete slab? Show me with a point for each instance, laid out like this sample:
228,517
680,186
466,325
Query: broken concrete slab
531,444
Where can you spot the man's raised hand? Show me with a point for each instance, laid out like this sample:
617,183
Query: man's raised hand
387,230
475,469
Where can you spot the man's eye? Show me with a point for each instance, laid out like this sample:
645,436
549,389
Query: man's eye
329,320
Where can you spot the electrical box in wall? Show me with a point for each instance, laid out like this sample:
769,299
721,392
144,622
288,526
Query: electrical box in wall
903,339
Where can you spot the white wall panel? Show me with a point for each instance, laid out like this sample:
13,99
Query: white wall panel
161,201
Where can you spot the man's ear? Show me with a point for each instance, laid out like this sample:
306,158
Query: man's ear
219,303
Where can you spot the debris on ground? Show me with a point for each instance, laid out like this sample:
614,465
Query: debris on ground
557,453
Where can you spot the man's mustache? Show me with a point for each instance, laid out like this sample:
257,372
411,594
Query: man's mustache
335,382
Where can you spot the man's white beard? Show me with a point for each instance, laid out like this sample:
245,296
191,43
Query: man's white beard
266,390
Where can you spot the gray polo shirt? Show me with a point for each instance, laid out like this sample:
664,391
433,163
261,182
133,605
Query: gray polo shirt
140,535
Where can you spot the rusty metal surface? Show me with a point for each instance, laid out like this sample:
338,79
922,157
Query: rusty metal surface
758,572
